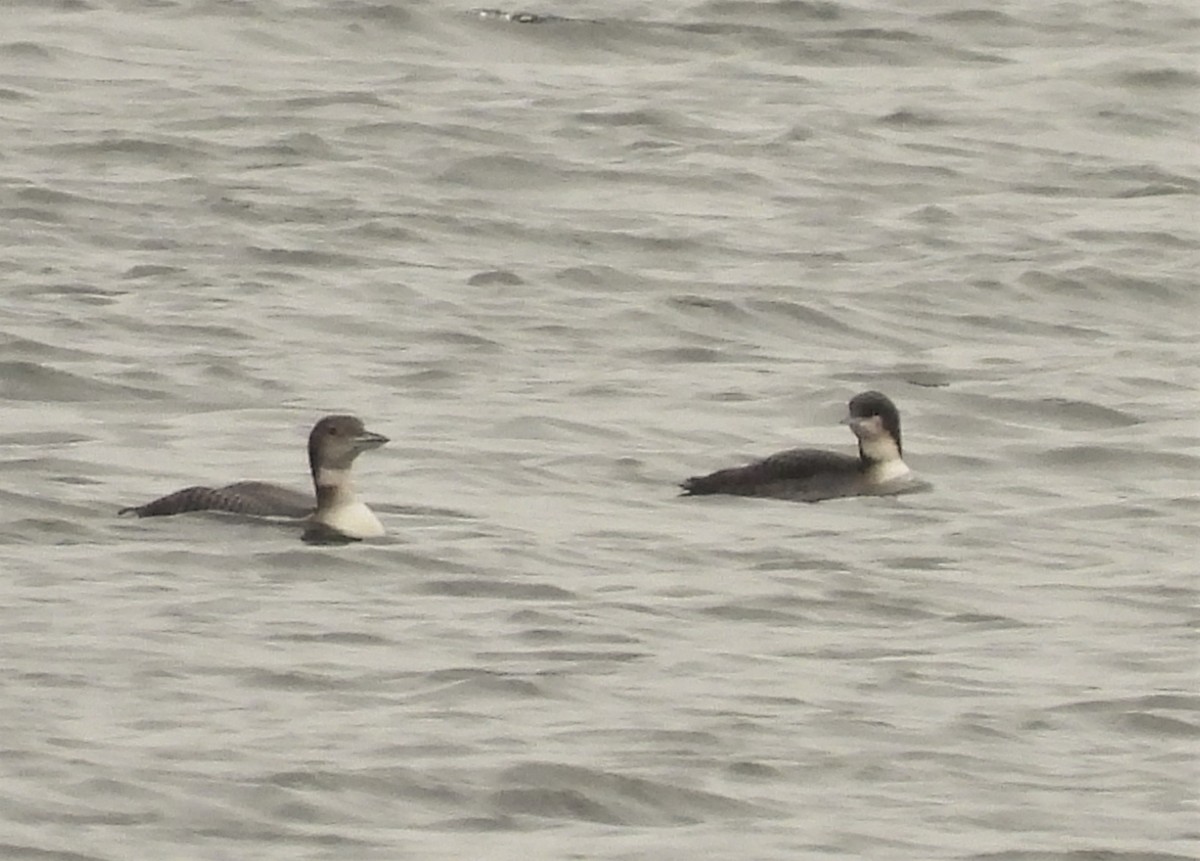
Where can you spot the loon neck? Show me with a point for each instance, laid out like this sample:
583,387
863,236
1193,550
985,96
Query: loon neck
880,459
334,488
338,509
879,451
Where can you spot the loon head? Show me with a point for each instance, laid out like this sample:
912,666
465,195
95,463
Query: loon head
336,441
876,422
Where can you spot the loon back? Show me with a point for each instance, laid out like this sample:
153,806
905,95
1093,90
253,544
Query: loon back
254,498
801,473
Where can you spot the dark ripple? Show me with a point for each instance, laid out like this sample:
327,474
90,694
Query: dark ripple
503,172
347,97
495,278
644,117
1090,456
460,338
987,621
375,13
912,119
26,51
42,438
339,638
151,270
297,681
1153,190
28,213
1096,854
773,10
880,33
989,17
872,604
305,258
1161,79
1189,703
297,147
1094,280
469,685
689,355
1133,239
770,610
172,151
1144,178
1159,725
721,307
14,347
481,588
574,656
1063,413
806,315
51,196
24,852
556,791
595,276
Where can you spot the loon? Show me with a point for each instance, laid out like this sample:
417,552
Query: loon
333,445
810,475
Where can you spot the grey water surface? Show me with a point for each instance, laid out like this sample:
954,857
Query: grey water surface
564,265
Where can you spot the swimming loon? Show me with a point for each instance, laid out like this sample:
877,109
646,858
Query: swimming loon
333,445
810,475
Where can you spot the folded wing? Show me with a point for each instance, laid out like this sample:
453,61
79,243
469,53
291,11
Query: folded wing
255,498
801,473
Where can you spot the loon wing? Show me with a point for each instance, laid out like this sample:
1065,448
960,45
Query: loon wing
257,498
798,473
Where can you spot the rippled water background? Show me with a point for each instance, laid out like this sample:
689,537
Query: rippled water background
564,265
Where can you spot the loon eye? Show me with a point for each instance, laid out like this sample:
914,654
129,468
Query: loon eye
333,430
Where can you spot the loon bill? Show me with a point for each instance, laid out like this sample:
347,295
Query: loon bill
810,475
336,514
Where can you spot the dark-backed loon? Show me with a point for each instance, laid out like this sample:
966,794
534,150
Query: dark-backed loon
810,475
333,445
